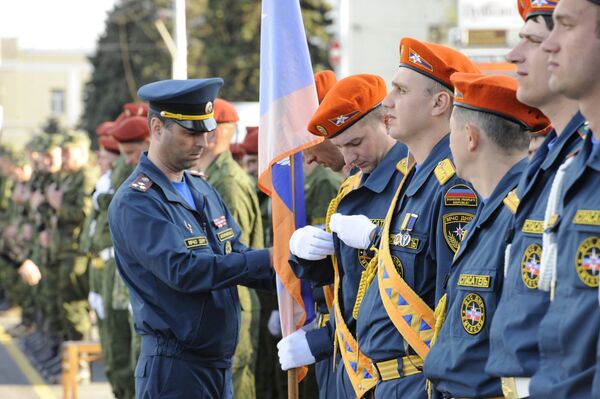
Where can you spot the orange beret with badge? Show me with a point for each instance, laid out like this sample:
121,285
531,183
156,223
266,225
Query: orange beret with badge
324,81
225,111
348,101
532,8
434,60
131,129
497,95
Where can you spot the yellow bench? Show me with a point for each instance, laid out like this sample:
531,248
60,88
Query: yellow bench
73,353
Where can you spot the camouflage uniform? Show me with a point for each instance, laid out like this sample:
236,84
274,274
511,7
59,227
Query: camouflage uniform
119,342
238,193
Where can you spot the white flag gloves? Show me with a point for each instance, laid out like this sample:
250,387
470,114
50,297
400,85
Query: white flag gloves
294,351
355,231
311,243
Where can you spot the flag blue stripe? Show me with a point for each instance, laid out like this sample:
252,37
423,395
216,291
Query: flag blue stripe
283,39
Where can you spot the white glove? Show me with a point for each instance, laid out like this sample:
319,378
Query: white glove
355,231
103,186
294,351
274,324
97,304
311,243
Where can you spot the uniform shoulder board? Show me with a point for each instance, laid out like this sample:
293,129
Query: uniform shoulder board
512,201
141,183
197,173
444,171
402,166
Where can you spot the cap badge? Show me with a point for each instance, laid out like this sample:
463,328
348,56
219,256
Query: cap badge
340,120
321,129
415,58
209,108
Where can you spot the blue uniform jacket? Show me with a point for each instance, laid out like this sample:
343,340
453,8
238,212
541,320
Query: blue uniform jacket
568,333
456,361
513,339
372,199
173,259
423,263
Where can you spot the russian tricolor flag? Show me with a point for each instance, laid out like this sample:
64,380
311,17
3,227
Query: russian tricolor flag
288,99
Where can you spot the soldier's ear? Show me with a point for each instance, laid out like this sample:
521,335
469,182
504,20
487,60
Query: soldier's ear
155,126
473,136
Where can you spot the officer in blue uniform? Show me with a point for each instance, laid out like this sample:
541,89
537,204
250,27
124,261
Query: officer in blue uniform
514,353
569,332
489,141
365,145
178,250
423,224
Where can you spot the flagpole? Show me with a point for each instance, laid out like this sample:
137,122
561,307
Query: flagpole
293,384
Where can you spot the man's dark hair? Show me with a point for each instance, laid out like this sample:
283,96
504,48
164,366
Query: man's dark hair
153,114
506,135
547,20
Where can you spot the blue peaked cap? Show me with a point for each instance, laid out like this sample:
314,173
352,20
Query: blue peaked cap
189,103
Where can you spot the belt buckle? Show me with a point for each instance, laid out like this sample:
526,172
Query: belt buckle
509,388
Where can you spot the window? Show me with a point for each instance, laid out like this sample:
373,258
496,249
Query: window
58,102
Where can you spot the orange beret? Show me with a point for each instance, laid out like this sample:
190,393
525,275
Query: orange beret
497,95
225,111
132,109
348,101
109,144
250,142
324,80
434,61
134,128
532,8
104,128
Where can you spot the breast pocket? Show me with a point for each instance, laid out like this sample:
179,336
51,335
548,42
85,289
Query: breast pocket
585,253
475,303
408,254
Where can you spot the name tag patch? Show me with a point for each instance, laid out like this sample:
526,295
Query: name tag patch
225,234
533,226
475,280
591,218
196,242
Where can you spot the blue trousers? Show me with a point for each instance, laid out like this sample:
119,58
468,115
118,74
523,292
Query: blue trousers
165,377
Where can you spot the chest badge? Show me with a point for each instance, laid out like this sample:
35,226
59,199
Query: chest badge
408,223
188,226
472,313
227,247
530,266
220,222
587,261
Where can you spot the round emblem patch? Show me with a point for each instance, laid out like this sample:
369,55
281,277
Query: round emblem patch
530,266
587,261
472,313
208,108
321,129
398,264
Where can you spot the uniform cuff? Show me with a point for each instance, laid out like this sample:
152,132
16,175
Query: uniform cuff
320,342
258,263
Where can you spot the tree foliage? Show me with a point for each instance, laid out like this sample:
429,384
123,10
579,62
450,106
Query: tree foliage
223,40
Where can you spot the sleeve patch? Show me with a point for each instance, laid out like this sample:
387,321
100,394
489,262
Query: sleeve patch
444,171
142,183
461,195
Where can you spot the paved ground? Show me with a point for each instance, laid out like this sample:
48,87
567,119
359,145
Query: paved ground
19,380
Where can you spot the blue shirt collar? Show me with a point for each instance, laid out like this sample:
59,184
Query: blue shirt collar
422,173
379,178
507,183
555,151
147,167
